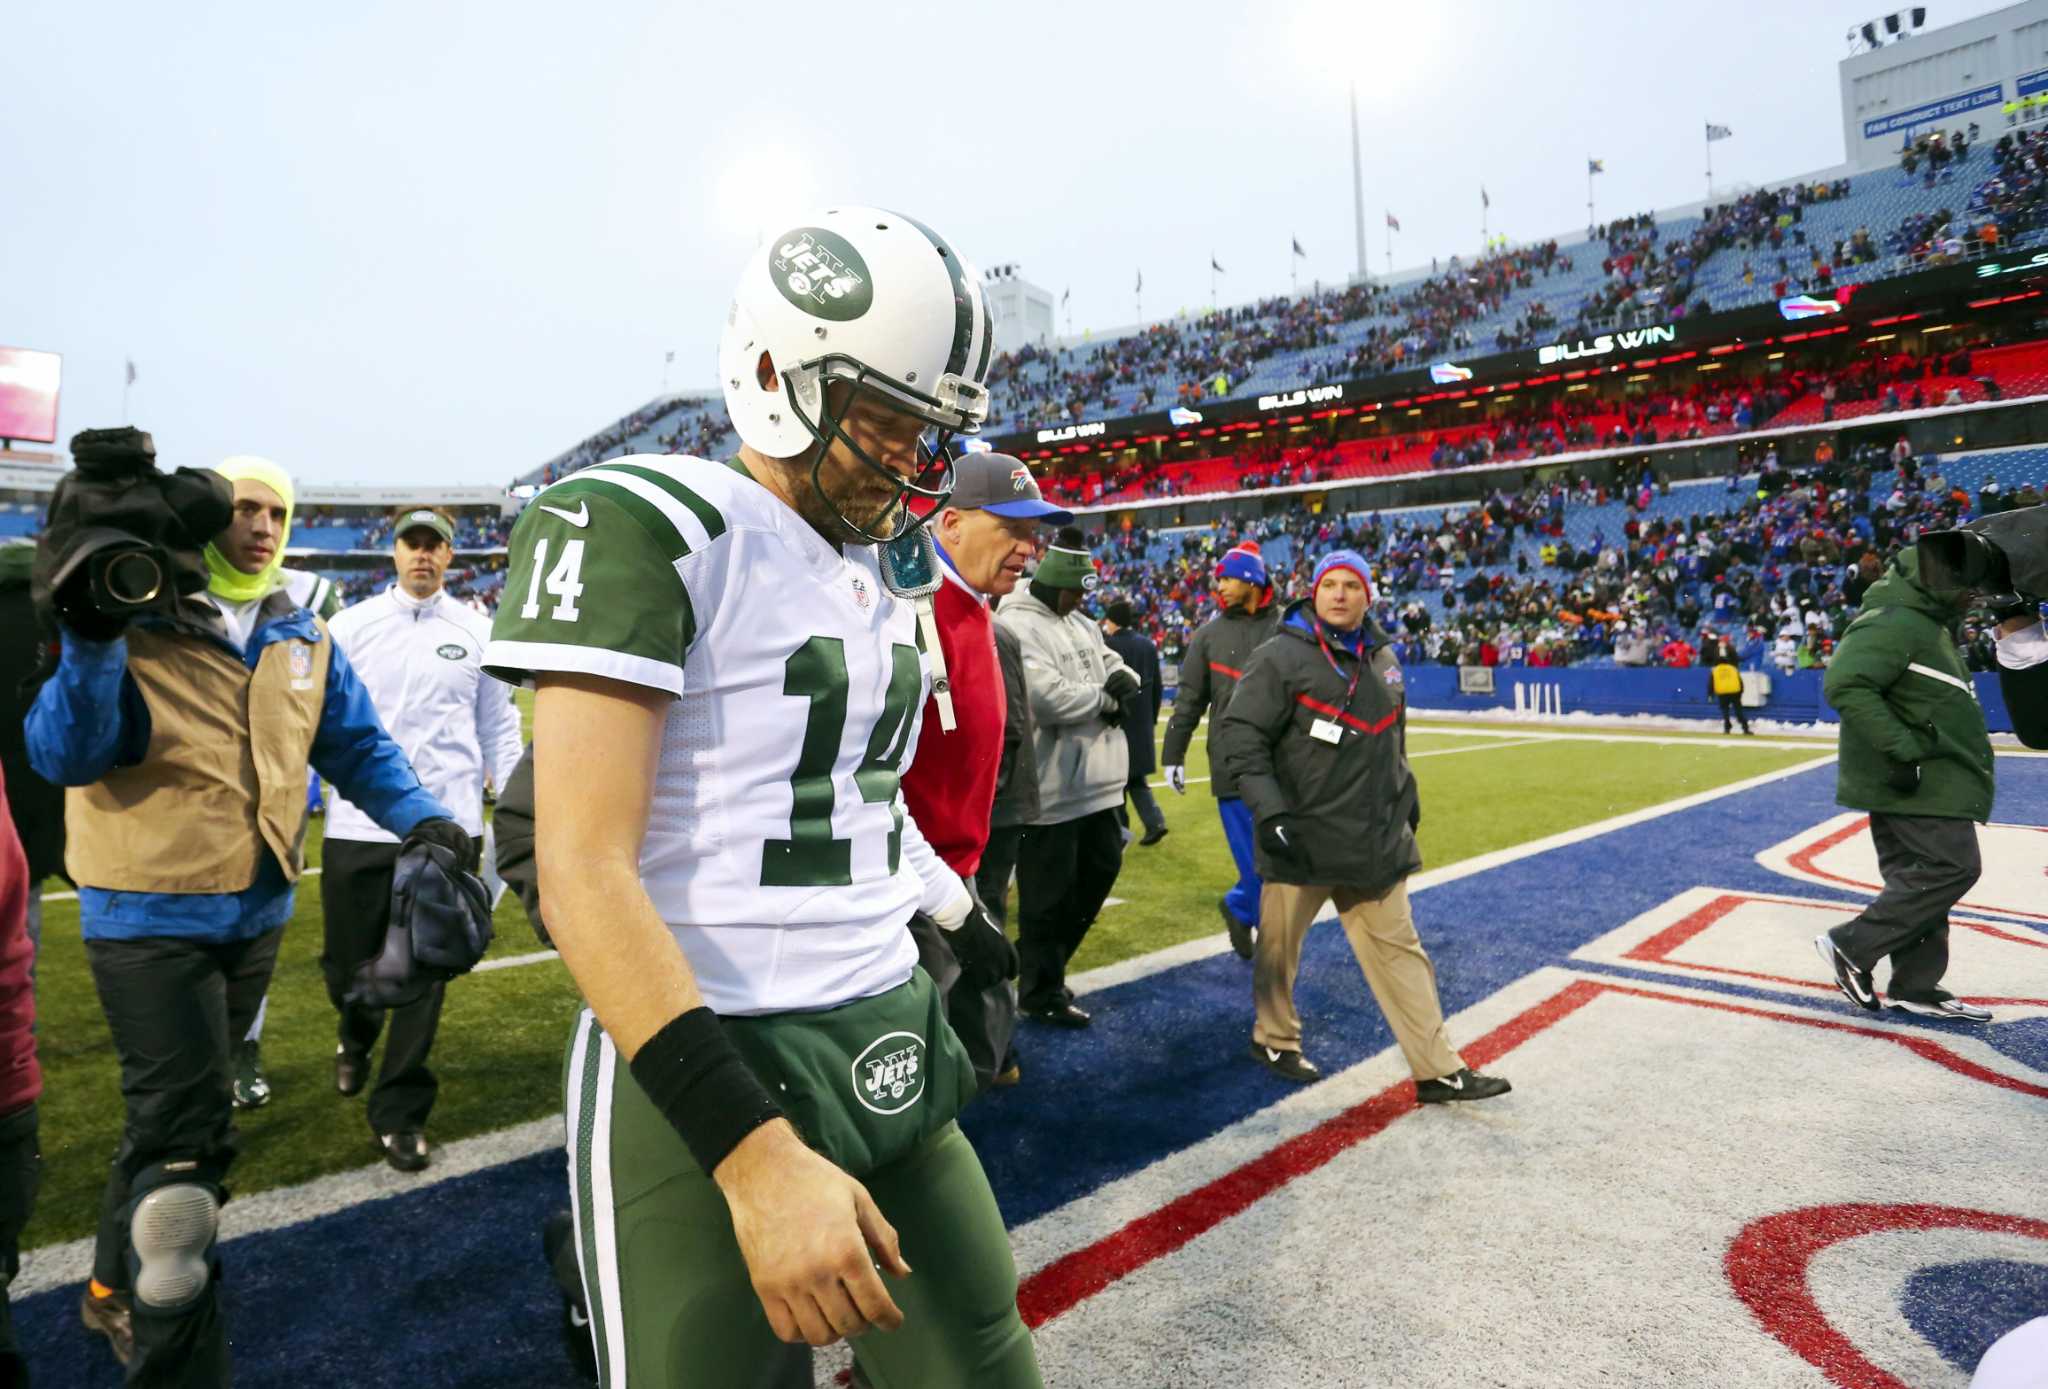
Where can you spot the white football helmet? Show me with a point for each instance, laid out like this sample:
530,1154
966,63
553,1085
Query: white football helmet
878,300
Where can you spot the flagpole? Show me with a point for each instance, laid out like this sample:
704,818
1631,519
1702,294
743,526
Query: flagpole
127,383
1710,166
1358,187
1483,205
1589,195
1390,252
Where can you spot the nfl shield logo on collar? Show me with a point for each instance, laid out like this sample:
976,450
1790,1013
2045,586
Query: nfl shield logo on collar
860,592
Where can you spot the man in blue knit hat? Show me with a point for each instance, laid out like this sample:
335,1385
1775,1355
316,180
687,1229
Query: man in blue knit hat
1316,738
1209,672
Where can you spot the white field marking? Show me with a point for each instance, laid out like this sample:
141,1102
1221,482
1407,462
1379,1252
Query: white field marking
515,961
1142,966
57,1265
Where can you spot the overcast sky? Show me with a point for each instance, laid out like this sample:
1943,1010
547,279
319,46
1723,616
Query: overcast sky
446,240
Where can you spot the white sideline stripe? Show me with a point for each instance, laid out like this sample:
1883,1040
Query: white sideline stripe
59,1265
1143,966
515,961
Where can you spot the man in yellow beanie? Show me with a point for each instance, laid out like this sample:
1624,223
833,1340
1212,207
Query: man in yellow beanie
185,736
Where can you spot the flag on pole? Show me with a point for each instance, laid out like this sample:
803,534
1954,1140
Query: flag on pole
1393,222
1297,246
1214,266
1141,283
1066,294
1484,201
131,371
1718,132
1595,166
670,356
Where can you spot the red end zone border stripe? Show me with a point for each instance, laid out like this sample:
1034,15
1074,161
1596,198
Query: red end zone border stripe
1767,1267
1803,860
1075,1277
1657,949
1334,712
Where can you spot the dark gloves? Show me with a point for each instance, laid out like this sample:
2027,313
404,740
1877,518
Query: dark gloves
979,944
449,835
1281,840
1121,684
1903,777
1112,711
1415,816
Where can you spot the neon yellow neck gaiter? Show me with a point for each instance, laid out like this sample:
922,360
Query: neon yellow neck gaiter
228,582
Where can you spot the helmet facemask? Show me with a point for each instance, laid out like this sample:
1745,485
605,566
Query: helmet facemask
955,406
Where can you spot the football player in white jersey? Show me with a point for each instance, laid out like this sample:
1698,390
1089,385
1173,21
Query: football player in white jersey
761,1095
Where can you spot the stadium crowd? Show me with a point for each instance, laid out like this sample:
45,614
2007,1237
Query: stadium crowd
1776,568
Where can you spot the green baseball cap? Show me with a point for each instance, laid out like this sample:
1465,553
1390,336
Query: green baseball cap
1063,568
428,517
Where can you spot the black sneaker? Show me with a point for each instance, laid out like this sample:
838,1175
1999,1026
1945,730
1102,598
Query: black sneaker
1288,1065
1152,836
251,1090
1855,984
1940,1004
1240,934
405,1151
1466,1084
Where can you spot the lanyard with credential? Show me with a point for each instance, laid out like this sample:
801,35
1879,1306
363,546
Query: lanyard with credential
1351,685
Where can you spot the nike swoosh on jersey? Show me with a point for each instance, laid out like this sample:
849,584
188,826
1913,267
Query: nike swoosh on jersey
580,516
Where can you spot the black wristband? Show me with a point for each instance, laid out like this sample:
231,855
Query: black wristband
698,1081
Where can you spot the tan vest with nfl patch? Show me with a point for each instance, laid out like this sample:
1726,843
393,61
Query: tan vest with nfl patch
224,779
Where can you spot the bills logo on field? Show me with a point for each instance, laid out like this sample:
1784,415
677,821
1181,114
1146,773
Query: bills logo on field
301,662
861,596
888,1077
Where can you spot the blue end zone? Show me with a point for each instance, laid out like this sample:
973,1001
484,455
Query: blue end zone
447,1287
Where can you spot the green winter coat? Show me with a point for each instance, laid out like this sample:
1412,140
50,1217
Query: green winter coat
1905,697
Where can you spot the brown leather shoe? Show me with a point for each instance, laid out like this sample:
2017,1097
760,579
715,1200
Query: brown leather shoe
111,1317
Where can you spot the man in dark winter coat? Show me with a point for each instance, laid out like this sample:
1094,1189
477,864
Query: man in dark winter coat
1141,716
1209,673
1316,738
1915,754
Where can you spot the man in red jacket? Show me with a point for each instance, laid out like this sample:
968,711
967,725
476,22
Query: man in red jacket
21,1081
986,535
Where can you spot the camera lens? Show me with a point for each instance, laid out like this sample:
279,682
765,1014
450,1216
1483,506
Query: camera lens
1962,559
132,578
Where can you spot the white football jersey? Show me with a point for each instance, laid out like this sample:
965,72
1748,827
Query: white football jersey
775,845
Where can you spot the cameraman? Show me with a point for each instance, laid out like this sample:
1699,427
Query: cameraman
185,735
2023,676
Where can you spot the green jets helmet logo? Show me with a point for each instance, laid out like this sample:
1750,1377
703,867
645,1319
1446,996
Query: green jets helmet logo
888,1077
451,652
821,273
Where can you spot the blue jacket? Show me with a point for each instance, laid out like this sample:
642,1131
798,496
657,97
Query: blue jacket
90,718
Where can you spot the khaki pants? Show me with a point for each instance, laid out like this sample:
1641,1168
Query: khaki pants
1382,934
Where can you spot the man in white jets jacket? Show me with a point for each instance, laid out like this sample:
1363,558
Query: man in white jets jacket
420,654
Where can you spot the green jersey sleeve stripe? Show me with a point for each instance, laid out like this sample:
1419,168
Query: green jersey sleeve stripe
519,661
707,514
652,518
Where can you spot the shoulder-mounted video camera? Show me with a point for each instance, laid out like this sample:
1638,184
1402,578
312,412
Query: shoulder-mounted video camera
123,537
2003,557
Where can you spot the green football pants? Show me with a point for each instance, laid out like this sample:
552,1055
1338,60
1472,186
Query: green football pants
670,1300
